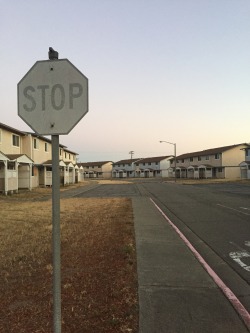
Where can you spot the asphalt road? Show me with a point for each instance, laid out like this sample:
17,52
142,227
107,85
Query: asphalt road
214,217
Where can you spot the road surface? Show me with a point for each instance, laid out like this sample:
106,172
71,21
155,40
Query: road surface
214,217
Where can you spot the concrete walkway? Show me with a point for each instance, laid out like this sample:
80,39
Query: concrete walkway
176,294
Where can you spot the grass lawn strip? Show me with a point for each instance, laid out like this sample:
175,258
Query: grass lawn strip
99,279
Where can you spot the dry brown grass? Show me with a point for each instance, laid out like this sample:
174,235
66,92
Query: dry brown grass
99,280
186,181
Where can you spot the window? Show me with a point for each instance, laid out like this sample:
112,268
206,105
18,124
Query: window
219,169
217,156
46,146
0,135
65,155
11,166
182,161
15,140
247,150
199,158
61,152
191,159
35,143
207,158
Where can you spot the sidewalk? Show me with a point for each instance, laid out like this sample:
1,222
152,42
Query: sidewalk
176,294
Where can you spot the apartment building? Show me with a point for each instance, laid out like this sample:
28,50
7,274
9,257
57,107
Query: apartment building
26,161
153,167
101,170
124,168
221,162
15,165
142,167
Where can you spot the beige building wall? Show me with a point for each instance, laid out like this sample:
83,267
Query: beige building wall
34,148
204,160
6,142
232,172
234,156
215,162
40,155
107,170
27,146
68,156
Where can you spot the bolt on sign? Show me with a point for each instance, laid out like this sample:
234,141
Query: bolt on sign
53,97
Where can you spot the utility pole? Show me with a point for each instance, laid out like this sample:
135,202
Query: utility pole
131,153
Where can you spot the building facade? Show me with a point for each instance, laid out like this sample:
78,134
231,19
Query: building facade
124,168
222,162
153,167
142,167
26,161
102,170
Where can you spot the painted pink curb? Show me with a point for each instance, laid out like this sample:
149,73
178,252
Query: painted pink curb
244,314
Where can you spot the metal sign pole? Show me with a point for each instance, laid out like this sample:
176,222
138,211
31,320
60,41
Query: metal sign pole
56,235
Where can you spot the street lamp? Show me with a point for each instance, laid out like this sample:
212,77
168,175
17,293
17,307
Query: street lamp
174,144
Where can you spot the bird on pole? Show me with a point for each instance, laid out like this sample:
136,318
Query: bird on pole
53,55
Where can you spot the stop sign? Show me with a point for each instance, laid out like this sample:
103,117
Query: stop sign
53,97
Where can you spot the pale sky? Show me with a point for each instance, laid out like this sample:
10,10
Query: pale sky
173,70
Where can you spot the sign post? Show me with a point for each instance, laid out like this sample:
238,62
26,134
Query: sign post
52,99
56,235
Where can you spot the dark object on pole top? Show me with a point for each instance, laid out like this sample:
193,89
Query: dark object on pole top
53,55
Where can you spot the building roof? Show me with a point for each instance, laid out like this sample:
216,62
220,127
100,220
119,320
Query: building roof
154,159
11,129
68,151
49,163
41,137
13,156
92,164
210,151
4,155
244,163
127,161
19,157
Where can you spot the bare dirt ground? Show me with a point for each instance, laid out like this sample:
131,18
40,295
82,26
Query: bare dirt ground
99,279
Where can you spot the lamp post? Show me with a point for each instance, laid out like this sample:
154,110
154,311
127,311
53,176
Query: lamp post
174,144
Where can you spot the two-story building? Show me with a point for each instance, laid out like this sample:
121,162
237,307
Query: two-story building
26,161
221,162
153,167
142,167
101,170
15,166
124,168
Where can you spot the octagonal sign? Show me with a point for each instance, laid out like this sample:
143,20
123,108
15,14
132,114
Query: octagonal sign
53,97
